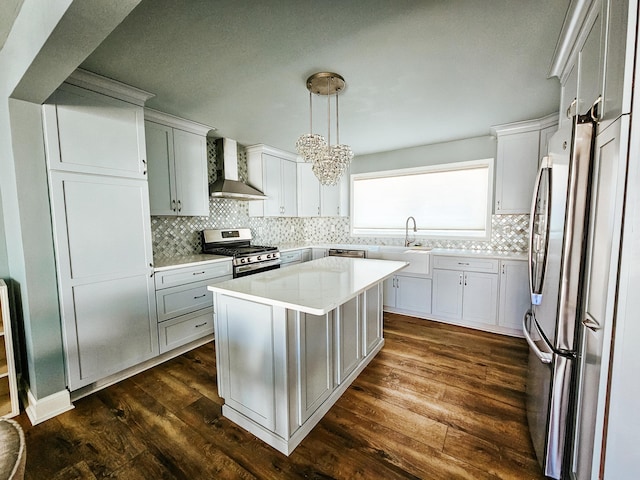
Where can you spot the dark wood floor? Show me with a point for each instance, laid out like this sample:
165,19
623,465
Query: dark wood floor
438,402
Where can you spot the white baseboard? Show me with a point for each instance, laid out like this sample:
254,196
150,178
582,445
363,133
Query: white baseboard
42,409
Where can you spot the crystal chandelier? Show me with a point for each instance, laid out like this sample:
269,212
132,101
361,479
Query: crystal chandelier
329,161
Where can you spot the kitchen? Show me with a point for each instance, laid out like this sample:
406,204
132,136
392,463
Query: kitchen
44,371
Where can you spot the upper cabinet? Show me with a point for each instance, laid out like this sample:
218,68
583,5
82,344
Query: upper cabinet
594,59
520,146
273,172
80,125
177,161
316,200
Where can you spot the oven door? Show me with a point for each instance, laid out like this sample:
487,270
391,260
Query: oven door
250,269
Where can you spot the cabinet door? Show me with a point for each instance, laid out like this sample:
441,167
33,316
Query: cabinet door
389,289
272,177
93,133
192,192
517,165
569,96
308,192
514,293
447,293
102,238
330,195
590,65
413,294
618,62
162,188
289,194
348,335
480,298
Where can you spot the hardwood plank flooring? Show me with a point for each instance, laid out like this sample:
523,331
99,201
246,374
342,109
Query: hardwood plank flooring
438,402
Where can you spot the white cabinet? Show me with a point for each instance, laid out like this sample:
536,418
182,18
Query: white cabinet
9,404
408,294
177,160
88,132
514,294
465,290
372,323
316,200
274,172
184,305
294,257
317,253
518,154
102,234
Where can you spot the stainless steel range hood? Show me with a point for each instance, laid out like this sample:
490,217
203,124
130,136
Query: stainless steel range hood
228,184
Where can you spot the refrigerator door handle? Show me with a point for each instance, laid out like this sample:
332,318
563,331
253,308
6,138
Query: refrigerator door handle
542,356
536,297
591,323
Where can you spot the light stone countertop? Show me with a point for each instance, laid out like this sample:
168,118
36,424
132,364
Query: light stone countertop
166,263
315,287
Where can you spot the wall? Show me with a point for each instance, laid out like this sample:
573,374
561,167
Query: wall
180,235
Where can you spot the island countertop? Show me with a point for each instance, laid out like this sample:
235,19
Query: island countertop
315,287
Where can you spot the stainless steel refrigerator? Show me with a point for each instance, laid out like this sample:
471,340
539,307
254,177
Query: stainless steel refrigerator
558,239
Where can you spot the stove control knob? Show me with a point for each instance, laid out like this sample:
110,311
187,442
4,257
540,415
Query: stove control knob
242,260
268,255
259,258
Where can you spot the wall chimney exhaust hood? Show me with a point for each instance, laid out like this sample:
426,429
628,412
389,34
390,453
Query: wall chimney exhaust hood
228,184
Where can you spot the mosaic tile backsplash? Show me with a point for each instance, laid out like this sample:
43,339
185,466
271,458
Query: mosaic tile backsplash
174,236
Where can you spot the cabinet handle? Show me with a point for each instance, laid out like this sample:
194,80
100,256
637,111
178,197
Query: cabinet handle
460,283
318,211
200,296
201,324
197,273
594,109
144,164
503,269
151,266
173,205
571,105
463,263
465,280
179,205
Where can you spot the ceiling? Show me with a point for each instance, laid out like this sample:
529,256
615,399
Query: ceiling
9,10
417,72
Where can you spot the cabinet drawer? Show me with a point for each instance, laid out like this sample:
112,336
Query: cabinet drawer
468,264
184,329
291,257
183,299
180,276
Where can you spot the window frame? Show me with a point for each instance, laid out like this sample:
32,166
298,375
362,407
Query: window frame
484,235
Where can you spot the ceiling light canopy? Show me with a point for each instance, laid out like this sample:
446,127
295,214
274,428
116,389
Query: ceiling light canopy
329,161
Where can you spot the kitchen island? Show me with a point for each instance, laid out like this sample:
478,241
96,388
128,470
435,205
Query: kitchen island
290,341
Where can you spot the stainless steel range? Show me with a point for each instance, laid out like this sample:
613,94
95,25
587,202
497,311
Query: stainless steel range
236,243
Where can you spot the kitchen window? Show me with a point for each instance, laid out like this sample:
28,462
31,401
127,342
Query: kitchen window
448,201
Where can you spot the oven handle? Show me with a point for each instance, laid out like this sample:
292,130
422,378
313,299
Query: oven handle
256,266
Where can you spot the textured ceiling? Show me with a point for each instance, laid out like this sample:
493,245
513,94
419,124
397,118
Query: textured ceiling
417,72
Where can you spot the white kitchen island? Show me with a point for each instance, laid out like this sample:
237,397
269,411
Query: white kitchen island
290,341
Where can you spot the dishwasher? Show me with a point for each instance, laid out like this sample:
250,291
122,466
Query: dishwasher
341,252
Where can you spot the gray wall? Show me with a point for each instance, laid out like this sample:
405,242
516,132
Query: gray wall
456,151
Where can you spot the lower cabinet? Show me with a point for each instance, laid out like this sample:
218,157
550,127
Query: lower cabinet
294,257
408,294
183,303
514,294
468,294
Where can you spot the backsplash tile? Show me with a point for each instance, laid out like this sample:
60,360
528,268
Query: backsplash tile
174,236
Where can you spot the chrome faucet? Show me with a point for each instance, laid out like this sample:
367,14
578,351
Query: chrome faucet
408,243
